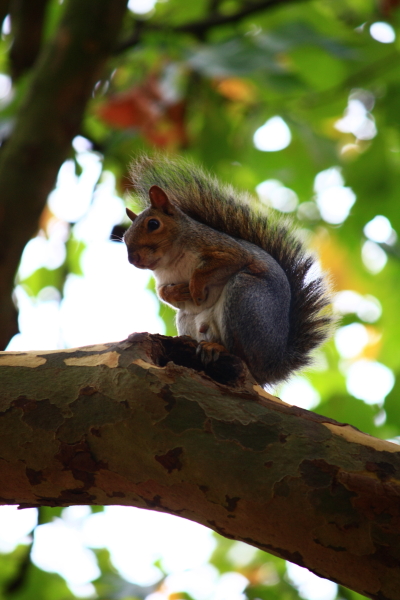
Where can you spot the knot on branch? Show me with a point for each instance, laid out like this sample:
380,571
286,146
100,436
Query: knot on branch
183,351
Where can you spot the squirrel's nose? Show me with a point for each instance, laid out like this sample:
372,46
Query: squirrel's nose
134,258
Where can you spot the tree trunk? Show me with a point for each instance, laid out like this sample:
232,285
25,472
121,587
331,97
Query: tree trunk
119,424
48,119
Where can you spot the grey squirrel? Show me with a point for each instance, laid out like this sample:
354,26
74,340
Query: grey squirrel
239,278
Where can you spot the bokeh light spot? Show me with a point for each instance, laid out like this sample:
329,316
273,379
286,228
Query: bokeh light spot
374,258
141,7
300,392
273,193
311,586
351,339
382,32
370,381
379,229
273,136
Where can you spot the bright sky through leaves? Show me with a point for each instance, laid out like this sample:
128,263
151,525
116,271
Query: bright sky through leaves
370,381
382,32
380,230
273,136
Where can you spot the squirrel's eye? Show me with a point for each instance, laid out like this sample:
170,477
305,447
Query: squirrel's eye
153,224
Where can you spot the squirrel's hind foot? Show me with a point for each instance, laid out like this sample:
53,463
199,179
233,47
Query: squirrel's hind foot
209,352
220,365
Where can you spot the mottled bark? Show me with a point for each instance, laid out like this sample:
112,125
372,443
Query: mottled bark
49,118
119,424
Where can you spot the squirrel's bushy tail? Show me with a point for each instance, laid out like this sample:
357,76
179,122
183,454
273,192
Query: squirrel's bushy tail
221,207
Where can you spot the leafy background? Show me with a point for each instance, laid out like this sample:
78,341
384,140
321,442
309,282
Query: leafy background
198,79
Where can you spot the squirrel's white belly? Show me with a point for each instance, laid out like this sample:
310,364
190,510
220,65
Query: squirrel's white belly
204,322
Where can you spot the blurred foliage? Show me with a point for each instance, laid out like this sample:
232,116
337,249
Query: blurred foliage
199,78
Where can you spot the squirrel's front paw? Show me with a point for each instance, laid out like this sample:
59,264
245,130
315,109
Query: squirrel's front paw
199,294
175,292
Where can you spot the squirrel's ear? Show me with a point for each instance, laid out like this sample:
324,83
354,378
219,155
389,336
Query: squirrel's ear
160,200
131,214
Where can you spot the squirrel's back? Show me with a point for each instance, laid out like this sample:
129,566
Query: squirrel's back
221,207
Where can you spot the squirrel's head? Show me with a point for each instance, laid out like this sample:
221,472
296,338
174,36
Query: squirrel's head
153,232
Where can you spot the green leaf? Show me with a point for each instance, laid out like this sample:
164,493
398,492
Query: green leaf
47,514
75,249
42,278
43,585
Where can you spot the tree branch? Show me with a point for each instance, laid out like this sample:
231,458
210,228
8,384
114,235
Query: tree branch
119,424
27,21
215,20
48,120
200,27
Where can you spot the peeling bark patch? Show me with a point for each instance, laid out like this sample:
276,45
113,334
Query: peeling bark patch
168,398
22,402
78,459
185,415
56,359
317,473
282,488
254,436
385,555
231,503
87,479
75,496
261,392
369,485
155,503
30,361
351,434
110,359
88,390
83,461
144,365
42,415
171,460
334,548
35,477
294,557
220,530
88,349
336,504
96,409
383,470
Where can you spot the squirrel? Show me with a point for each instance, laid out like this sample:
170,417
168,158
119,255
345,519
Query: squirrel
240,278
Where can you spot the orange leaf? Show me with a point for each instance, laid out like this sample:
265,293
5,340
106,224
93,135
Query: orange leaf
143,107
